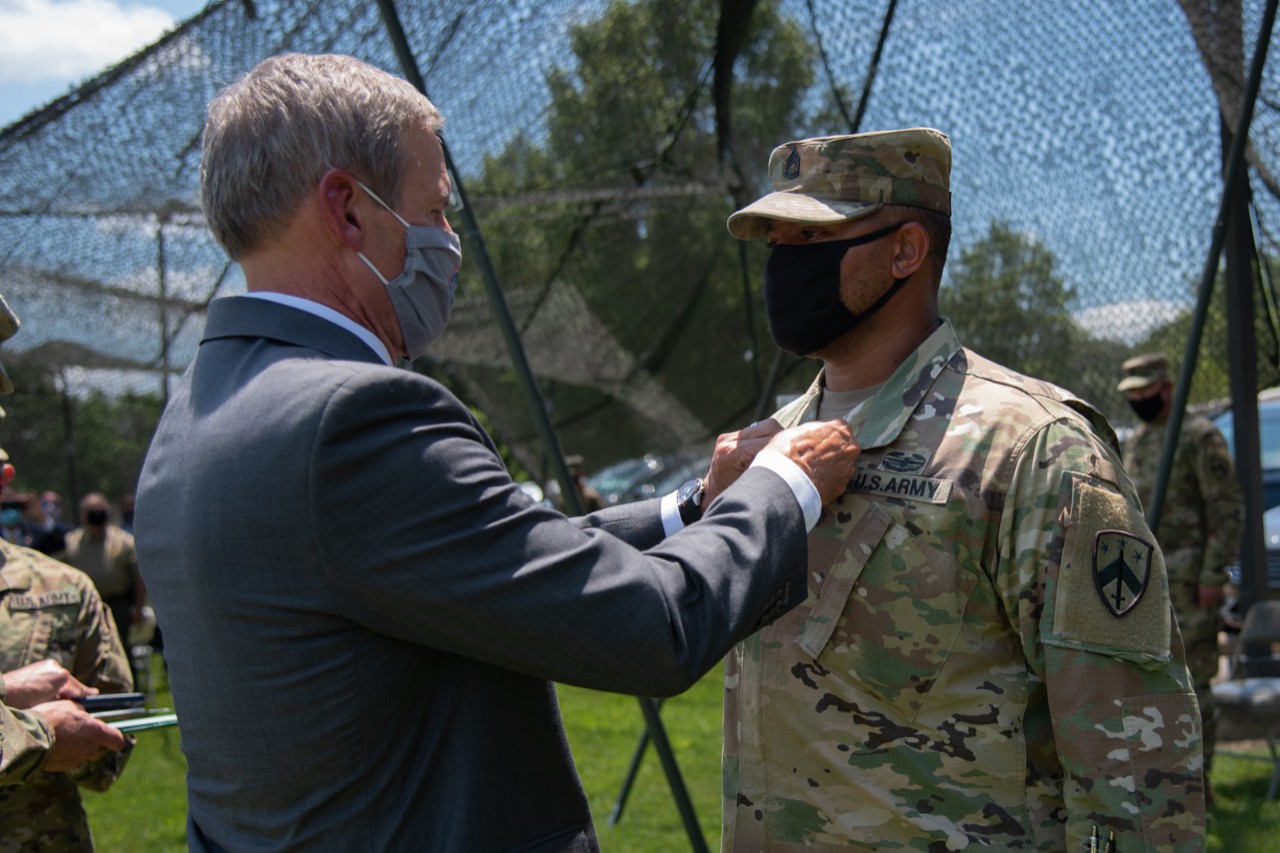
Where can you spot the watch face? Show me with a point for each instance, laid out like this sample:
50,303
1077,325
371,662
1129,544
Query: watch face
690,492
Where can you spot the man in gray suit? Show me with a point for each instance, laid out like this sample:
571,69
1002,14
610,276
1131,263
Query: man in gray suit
387,685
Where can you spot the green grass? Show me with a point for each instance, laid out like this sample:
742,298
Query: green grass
146,809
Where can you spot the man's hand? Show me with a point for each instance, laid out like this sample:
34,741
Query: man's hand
825,451
78,737
42,682
733,454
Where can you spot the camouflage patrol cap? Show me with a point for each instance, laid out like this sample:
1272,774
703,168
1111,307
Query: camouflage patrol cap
1143,370
834,179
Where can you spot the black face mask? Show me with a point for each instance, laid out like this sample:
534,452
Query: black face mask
802,293
1147,408
96,517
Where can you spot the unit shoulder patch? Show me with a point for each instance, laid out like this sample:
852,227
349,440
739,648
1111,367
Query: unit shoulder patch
1121,569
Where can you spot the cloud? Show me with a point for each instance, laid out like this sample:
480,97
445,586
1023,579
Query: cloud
1131,321
70,39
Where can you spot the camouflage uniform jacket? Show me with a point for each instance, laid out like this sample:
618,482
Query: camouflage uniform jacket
1202,514
986,653
50,610
24,744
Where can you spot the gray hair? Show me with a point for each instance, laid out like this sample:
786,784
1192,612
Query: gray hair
271,135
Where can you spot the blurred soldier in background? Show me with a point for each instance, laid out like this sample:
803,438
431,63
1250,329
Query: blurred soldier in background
106,553
986,655
57,641
1200,520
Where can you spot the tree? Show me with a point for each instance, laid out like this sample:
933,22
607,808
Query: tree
1008,303
75,444
624,198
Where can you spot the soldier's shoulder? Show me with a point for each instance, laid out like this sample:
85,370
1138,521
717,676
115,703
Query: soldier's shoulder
1025,398
1198,427
44,570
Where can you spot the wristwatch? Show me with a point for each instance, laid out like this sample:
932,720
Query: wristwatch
689,500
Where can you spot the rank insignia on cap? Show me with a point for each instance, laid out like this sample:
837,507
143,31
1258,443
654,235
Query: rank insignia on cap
1121,568
791,169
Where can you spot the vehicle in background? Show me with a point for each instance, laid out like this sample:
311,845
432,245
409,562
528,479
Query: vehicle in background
677,470
616,481
1269,441
648,476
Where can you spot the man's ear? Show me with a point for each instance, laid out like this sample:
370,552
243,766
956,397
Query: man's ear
910,248
342,208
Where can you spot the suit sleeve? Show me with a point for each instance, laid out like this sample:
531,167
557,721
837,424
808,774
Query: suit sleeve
453,556
1085,584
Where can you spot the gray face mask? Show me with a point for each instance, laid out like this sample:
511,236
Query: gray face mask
422,294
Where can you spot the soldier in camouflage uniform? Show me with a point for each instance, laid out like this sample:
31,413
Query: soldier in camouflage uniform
41,730
1200,520
25,742
50,612
986,655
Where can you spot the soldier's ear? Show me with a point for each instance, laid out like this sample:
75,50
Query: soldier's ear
910,248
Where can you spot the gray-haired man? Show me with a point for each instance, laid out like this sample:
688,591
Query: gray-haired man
385,684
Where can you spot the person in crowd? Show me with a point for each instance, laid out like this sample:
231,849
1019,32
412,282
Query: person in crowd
57,643
47,534
108,555
1200,520
13,523
126,512
986,655
362,612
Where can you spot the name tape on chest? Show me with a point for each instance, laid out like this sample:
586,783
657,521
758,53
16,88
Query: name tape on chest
912,487
39,602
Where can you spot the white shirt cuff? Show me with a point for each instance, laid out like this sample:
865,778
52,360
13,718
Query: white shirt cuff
671,523
801,486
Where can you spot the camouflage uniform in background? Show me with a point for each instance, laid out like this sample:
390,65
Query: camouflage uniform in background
49,610
986,655
25,742
1199,534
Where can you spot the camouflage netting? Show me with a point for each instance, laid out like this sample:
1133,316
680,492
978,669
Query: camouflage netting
601,145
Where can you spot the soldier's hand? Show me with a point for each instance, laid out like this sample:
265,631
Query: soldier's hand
39,682
78,737
825,450
733,454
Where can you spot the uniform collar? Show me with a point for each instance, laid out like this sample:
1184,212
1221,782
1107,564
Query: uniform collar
878,421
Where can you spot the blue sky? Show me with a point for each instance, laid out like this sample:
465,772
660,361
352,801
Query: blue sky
50,46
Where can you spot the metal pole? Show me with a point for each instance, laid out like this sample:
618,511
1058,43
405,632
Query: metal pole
164,311
497,300
545,428
875,65
1234,171
642,744
1242,344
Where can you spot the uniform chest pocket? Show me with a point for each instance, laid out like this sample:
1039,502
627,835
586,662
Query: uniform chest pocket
888,611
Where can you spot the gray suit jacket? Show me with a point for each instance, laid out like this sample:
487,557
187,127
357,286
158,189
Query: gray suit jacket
363,615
